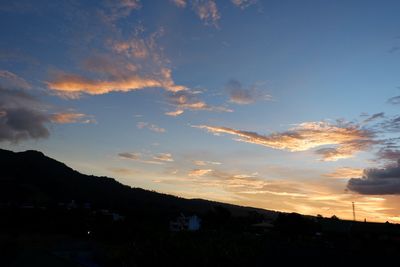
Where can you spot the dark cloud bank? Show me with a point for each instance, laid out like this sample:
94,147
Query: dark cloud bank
21,117
384,181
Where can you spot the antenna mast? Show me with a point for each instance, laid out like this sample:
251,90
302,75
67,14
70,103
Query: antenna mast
354,211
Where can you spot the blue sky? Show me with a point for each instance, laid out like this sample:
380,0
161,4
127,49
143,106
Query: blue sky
284,105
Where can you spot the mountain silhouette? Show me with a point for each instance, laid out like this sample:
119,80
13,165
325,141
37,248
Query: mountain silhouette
31,178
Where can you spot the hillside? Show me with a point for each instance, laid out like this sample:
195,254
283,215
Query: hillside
31,178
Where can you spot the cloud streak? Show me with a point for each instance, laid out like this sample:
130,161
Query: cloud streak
345,173
188,100
70,117
72,85
151,127
344,140
160,158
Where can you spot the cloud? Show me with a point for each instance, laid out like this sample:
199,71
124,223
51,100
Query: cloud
164,157
207,11
160,158
179,3
374,117
205,163
12,81
346,139
388,154
108,66
141,46
118,9
243,3
132,156
151,127
72,85
174,113
199,172
21,117
345,172
188,100
124,171
240,95
394,100
125,64
344,150
391,124
374,181
70,117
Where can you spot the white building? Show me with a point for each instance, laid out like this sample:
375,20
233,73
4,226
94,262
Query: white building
185,223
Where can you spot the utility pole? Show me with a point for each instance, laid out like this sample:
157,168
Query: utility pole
354,211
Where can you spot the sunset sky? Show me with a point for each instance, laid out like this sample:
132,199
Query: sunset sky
283,105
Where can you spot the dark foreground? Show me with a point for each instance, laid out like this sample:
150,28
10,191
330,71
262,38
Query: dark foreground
33,237
51,215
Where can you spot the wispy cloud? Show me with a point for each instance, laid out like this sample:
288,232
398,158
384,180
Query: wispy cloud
241,95
345,173
151,127
12,81
174,113
117,9
374,117
189,100
205,163
123,171
199,172
179,3
160,158
71,117
347,139
243,3
167,157
207,11
388,154
394,100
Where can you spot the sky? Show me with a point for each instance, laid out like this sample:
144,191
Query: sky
282,105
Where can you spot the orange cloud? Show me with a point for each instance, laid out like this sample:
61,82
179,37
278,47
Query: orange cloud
345,172
205,163
64,118
199,172
72,85
164,157
346,139
174,113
